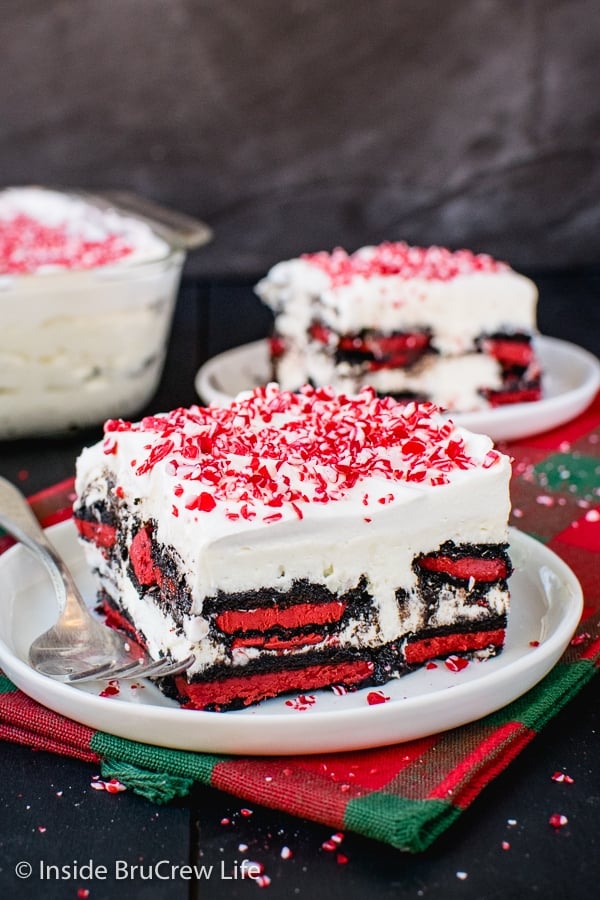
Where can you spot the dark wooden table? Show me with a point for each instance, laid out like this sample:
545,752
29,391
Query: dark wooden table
50,816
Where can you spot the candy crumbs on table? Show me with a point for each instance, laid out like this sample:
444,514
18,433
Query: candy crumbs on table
580,639
333,842
558,820
113,786
562,777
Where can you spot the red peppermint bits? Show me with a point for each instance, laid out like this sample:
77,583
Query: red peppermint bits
580,639
112,786
111,689
456,663
285,450
376,697
562,777
399,259
27,245
203,502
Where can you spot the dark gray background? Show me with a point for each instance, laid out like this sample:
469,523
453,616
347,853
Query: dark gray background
293,125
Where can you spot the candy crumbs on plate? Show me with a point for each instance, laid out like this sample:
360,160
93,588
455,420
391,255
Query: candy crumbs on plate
456,663
376,697
111,689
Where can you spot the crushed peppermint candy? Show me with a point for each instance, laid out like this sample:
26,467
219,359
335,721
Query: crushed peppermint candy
396,258
272,449
113,786
302,702
562,777
333,842
580,639
27,245
557,820
376,697
111,689
456,663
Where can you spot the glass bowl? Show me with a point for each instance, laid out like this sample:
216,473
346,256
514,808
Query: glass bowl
80,346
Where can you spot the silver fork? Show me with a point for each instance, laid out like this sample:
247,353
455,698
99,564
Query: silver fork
78,647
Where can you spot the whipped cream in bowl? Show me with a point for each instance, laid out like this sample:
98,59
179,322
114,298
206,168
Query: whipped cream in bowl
87,294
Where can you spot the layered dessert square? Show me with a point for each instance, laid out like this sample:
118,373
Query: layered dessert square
297,541
453,328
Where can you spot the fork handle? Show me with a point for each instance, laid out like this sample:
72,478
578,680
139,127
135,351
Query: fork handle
18,519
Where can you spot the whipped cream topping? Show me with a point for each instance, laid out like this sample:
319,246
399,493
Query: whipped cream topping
45,231
400,259
468,302
273,451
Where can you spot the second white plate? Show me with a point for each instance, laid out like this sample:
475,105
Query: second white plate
546,607
571,380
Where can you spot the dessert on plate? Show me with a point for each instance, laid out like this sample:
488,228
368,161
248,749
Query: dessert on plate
87,294
454,328
297,541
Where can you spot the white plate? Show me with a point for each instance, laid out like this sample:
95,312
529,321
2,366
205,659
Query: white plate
546,607
571,379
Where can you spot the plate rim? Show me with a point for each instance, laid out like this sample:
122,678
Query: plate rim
232,728
510,422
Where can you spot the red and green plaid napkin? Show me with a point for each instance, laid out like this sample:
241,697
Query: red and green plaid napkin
405,795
